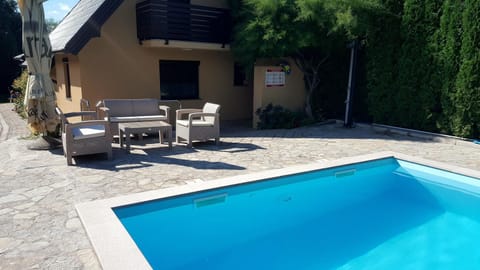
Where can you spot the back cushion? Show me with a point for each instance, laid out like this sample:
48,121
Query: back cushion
119,107
132,107
210,108
145,107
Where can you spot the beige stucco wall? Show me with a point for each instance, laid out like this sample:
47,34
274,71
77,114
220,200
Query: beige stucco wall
290,96
73,103
117,66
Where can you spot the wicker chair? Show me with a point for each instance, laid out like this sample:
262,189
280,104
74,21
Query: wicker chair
85,107
200,125
85,137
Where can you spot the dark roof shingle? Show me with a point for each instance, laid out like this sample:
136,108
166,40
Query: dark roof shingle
81,24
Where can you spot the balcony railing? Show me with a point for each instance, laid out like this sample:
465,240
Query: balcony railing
167,20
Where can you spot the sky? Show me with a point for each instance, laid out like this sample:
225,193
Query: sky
57,9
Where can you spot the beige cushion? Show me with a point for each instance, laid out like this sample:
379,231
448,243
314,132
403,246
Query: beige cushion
121,119
88,132
129,107
195,123
210,108
119,107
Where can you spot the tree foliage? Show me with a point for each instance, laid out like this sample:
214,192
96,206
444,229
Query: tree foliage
417,95
306,30
422,56
450,42
382,52
428,75
10,43
466,118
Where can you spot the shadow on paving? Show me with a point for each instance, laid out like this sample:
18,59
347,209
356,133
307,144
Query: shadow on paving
161,155
316,131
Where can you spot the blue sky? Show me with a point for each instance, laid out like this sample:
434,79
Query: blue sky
57,9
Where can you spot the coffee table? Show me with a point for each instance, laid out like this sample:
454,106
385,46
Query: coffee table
126,129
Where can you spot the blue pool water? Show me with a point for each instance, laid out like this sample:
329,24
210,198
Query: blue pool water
384,214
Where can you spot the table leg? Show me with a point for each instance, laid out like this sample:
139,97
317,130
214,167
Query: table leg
127,140
169,134
160,135
120,137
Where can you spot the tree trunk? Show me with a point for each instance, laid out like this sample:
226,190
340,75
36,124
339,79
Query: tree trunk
309,64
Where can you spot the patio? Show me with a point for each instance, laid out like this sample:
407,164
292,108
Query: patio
39,227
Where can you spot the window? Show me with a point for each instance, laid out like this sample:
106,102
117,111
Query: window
66,73
239,75
179,79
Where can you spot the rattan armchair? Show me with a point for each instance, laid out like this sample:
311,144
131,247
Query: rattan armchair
84,137
201,124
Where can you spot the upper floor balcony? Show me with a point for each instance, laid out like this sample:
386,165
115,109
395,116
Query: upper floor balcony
176,24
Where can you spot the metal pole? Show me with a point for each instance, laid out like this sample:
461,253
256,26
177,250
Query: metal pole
351,83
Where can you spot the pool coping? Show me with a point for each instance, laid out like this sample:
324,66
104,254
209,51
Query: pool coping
114,247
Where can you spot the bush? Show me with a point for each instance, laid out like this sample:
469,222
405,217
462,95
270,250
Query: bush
19,86
423,66
450,43
273,117
466,117
382,53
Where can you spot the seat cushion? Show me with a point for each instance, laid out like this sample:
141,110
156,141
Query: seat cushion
92,131
195,123
123,119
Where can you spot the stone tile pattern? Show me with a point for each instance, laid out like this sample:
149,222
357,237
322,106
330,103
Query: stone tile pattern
39,227
11,124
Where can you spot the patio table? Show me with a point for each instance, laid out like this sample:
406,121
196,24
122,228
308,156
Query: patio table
129,128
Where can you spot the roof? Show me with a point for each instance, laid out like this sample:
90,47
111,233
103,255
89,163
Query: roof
81,24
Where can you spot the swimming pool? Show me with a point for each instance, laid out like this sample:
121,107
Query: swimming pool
373,214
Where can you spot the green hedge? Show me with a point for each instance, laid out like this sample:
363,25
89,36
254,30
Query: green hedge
466,97
423,66
382,54
450,42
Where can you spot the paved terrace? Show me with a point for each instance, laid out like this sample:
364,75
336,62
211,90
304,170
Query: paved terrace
39,227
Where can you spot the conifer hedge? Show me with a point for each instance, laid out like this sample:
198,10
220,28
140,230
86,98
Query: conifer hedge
450,42
466,97
423,66
382,62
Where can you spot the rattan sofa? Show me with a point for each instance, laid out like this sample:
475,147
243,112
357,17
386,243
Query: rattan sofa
132,110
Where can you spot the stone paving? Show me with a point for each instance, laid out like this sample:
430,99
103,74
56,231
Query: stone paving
40,229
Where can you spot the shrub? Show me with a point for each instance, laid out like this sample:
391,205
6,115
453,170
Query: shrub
466,117
450,43
417,99
19,86
382,52
273,117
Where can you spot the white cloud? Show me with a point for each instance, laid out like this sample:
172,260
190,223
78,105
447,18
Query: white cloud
64,7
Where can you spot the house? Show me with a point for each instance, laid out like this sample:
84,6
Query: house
166,49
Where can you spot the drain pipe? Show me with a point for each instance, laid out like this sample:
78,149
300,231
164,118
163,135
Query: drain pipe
354,46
